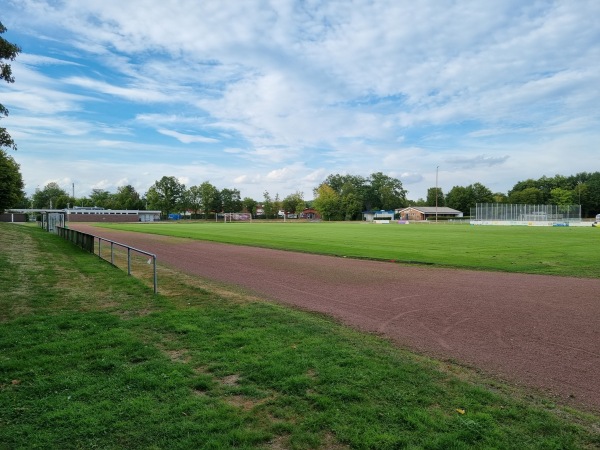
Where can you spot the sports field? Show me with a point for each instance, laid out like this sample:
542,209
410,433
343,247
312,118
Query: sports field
568,251
91,358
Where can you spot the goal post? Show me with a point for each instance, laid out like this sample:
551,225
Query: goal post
236,217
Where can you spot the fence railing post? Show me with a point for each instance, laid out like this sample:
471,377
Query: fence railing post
88,242
155,277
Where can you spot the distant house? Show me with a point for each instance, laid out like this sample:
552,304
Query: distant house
310,214
382,214
417,213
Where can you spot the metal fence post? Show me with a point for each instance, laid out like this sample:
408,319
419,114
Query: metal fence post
155,277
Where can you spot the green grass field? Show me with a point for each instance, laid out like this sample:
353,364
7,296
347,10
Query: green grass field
90,358
568,251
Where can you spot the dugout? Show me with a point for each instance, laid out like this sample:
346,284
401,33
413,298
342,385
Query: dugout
13,217
51,219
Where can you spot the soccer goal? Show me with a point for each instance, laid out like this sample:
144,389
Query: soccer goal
235,217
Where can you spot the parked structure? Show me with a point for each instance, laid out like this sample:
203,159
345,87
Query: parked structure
418,213
380,216
95,214
13,217
111,215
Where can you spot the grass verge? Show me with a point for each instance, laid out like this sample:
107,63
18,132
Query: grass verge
90,358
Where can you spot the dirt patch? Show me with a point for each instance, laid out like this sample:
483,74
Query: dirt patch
230,380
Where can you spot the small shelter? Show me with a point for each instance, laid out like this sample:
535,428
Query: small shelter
82,214
418,213
379,215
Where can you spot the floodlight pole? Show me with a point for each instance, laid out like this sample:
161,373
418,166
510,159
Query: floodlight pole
436,193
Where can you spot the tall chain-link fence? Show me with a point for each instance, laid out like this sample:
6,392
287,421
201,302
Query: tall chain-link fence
511,214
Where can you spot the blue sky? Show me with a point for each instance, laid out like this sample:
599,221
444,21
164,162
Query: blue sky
274,95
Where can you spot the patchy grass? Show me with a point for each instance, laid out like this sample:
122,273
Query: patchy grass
90,358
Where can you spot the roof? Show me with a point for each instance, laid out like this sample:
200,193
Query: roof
432,209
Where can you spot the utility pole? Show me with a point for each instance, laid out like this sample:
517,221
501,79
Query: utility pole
436,193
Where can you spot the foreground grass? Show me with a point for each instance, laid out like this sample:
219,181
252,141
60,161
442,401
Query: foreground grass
568,251
90,358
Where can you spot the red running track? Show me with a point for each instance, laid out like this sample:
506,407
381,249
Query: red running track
542,332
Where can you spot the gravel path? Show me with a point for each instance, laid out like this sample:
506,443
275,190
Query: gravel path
538,331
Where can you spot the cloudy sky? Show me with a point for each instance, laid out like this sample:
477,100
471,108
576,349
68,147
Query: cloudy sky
274,95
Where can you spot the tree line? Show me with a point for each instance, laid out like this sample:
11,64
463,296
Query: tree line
338,197
167,195
580,189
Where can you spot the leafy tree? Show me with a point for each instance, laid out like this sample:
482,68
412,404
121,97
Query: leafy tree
83,202
8,52
277,205
127,198
353,194
351,205
544,186
418,202
101,198
11,182
547,184
52,196
357,193
268,205
481,194
249,205
343,184
560,196
194,198
521,186
528,196
294,203
353,191
593,194
209,196
231,200
499,197
64,201
166,195
431,197
460,198
465,198
327,202
184,201
385,192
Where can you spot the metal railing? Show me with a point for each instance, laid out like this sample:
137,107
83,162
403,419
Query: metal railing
88,242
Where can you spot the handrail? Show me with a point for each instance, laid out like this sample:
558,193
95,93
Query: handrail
79,238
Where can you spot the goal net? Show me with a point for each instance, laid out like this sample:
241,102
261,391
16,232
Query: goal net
235,217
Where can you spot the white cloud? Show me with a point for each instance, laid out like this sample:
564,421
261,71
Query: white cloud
186,138
287,90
